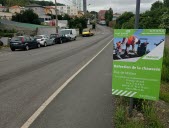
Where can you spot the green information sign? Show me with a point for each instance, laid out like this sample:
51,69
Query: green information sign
137,62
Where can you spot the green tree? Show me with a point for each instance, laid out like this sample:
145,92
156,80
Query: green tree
125,17
129,24
157,5
14,2
151,19
166,3
165,21
109,16
78,22
27,16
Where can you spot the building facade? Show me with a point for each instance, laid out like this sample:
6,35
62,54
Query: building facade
15,9
115,16
3,9
78,4
40,11
50,10
66,9
101,15
5,15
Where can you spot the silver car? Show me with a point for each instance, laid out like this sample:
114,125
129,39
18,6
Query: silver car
44,40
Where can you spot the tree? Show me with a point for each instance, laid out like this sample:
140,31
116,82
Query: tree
27,16
14,2
94,13
157,5
125,17
129,24
79,23
109,16
165,21
166,3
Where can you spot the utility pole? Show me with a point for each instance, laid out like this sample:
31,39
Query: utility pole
136,26
137,14
84,6
56,21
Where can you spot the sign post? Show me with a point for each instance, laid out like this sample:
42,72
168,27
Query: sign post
137,16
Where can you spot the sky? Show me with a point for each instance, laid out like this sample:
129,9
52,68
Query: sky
118,6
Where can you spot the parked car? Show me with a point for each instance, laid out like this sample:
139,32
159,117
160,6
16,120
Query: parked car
1,43
59,38
102,22
42,39
24,43
56,38
87,32
70,33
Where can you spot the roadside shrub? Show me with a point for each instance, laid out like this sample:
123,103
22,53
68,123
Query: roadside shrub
120,117
6,34
151,118
165,69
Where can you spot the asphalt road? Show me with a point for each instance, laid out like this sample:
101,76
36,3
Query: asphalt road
29,78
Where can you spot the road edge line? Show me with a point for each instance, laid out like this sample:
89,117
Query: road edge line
50,99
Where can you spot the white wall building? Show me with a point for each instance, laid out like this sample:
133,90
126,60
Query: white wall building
70,10
78,3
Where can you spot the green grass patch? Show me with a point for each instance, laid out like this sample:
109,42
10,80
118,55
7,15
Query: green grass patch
122,121
165,69
150,114
148,118
164,92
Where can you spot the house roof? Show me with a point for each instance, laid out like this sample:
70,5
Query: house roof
16,6
49,7
102,11
2,7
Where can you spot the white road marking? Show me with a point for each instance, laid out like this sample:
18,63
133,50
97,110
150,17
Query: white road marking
50,99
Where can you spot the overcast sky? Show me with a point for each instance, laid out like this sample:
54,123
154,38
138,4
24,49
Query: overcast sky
117,5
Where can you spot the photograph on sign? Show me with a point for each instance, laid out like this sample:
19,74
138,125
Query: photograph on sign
137,62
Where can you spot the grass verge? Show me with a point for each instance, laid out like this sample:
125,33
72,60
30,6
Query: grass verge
164,92
146,117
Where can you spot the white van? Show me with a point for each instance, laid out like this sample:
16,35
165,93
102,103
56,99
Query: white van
69,33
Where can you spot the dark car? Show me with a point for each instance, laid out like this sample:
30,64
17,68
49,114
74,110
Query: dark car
24,43
60,38
56,38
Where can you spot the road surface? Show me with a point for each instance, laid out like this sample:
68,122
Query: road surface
29,78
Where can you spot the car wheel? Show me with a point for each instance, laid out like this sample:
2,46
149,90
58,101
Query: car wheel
45,44
38,46
27,48
75,38
12,49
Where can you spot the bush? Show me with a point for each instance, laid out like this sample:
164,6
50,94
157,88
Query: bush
165,69
27,16
6,34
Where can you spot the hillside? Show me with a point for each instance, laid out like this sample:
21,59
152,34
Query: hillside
25,2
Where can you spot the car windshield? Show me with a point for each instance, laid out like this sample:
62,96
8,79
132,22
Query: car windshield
16,39
85,30
38,37
53,35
